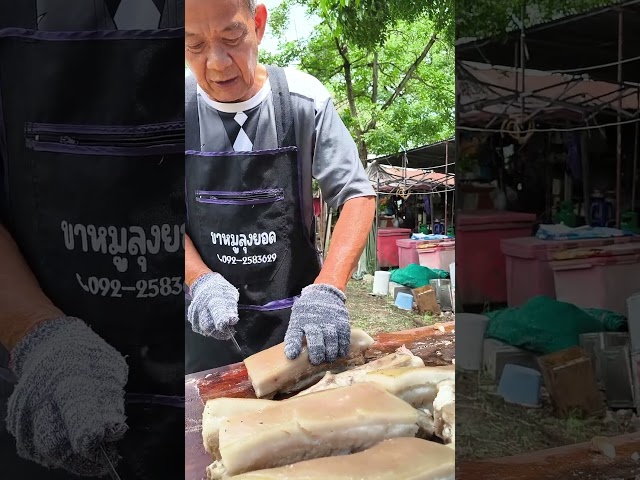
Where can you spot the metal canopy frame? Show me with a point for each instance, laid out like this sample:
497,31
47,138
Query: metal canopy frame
389,183
583,112
579,43
544,104
416,184
433,156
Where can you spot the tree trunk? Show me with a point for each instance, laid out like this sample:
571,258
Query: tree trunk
363,151
374,94
353,110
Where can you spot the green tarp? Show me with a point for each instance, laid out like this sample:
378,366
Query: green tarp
416,276
544,325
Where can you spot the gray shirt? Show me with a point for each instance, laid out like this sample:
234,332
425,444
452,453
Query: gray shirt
325,148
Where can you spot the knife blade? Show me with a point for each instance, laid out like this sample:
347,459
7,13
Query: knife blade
232,338
112,470
235,342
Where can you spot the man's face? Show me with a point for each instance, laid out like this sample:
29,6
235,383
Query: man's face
221,47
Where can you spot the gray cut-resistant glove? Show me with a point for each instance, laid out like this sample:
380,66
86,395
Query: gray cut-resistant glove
214,307
69,398
319,314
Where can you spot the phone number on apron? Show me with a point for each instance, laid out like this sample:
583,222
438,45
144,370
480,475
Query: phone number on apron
252,260
143,288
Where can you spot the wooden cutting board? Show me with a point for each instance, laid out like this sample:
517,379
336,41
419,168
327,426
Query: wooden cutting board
196,458
434,344
571,461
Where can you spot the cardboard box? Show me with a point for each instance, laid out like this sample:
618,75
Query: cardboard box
570,381
425,298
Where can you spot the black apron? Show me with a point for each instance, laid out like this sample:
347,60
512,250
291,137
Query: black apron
244,215
92,141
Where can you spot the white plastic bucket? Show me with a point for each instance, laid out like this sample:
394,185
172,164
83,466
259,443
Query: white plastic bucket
452,273
447,257
470,330
381,283
633,319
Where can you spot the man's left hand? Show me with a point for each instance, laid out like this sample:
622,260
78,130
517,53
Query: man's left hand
319,314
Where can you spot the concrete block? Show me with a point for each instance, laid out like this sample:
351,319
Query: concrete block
497,354
392,287
401,289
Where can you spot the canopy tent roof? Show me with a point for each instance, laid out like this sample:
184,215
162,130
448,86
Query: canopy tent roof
583,43
488,92
390,179
433,156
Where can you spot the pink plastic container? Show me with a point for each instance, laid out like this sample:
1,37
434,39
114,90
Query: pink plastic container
480,264
408,250
438,256
387,248
528,267
599,282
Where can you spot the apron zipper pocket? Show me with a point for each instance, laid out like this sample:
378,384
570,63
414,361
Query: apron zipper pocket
253,197
153,139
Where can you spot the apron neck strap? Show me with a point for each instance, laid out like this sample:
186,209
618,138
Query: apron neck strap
192,122
282,107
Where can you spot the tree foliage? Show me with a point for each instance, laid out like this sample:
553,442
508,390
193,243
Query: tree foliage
367,23
483,18
389,66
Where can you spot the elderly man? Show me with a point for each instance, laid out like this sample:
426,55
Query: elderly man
255,137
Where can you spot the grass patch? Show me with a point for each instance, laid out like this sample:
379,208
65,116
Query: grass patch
490,428
379,314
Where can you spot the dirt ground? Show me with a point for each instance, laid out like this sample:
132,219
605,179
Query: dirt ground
379,314
490,428
487,426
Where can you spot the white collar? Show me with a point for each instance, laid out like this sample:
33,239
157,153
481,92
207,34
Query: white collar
239,106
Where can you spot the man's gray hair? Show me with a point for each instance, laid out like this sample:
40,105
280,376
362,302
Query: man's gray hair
252,6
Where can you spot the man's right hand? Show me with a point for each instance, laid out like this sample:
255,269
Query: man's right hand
214,307
69,399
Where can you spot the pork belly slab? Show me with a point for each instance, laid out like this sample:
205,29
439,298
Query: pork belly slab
402,357
216,410
415,385
444,411
394,459
333,422
219,409
270,371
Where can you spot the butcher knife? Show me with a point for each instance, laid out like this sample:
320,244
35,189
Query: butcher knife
112,470
235,343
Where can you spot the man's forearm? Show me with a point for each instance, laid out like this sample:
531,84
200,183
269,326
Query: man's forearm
348,241
194,267
23,304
